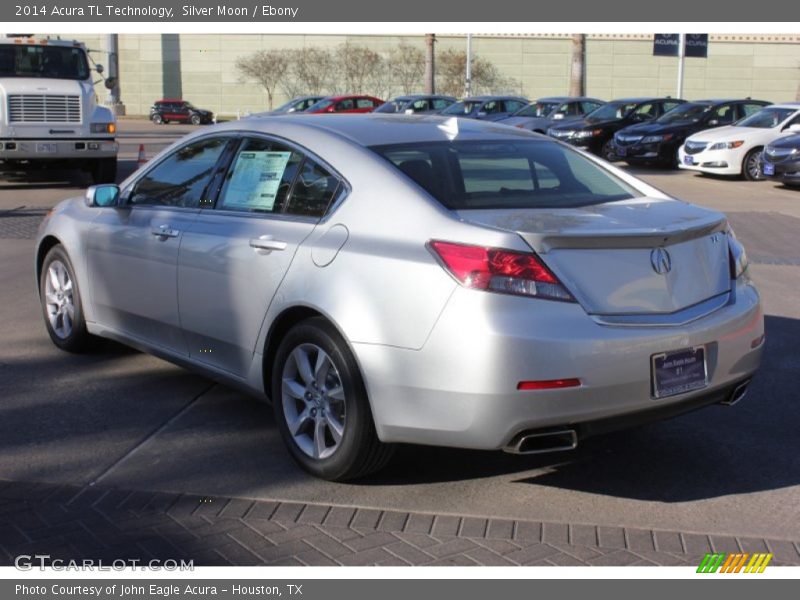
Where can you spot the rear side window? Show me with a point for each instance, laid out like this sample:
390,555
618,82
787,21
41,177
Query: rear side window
181,178
313,191
516,174
364,103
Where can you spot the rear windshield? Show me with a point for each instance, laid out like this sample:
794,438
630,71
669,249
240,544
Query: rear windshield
519,174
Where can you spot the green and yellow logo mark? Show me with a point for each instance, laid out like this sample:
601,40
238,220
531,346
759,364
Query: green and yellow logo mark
734,563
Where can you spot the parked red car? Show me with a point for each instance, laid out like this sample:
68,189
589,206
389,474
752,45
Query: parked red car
345,104
181,111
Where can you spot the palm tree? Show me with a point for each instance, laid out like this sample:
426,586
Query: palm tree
578,66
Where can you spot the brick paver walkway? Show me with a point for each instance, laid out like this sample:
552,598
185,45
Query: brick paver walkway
72,523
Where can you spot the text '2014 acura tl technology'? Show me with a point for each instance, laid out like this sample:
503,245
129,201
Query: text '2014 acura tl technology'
393,278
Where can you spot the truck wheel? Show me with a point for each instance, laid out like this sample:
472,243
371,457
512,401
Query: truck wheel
157,119
321,405
104,170
195,120
61,303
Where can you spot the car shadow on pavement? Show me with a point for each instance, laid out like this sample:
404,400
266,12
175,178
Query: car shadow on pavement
716,451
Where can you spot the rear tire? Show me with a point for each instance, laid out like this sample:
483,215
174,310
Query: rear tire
105,170
61,302
751,165
321,405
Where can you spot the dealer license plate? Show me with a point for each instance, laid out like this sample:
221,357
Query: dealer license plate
679,372
46,148
769,169
688,160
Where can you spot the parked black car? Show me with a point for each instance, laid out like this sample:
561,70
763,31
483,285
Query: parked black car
658,141
539,116
595,132
488,108
780,160
418,104
181,111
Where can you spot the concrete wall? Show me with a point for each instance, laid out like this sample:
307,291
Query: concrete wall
200,67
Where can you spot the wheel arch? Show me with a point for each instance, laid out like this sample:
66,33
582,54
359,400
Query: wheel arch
47,243
281,325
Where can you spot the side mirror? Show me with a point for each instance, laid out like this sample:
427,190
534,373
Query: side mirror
102,196
795,128
99,68
558,116
110,83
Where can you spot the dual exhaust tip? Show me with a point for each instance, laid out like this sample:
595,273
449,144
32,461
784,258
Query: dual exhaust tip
560,440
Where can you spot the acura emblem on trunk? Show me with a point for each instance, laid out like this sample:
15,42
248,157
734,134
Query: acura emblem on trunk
661,261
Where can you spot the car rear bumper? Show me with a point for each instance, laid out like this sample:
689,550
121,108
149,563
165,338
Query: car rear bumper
54,150
460,389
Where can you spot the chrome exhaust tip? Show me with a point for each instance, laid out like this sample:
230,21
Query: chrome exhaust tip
739,392
547,441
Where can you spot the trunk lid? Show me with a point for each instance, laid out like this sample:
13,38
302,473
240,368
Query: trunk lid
612,256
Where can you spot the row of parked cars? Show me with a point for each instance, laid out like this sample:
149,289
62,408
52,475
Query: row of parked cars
742,137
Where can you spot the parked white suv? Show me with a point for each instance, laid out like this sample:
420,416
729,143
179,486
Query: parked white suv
736,149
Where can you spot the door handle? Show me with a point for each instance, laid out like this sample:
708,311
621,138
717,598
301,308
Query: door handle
266,242
165,231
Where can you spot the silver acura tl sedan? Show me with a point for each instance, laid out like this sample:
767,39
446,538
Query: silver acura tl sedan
393,279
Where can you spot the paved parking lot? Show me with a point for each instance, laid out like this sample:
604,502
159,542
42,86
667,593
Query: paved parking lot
118,421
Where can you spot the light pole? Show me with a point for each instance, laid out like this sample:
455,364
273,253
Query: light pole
681,60
113,100
468,86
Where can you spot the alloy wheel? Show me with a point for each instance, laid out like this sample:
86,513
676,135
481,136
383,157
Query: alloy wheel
753,165
59,300
313,401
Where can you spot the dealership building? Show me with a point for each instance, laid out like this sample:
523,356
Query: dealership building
201,68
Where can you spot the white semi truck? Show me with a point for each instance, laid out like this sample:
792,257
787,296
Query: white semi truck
49,113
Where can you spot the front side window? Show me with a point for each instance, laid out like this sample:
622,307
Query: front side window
748,109
345,105
724,115
392,106
321,105
689,112
441,103
260,177
181,178
420,106
493,175
645,112
513,105
462,108
612,110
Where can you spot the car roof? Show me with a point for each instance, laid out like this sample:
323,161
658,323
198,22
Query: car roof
567,99
347,96
644,99
492,97
794,105
386,129
415,96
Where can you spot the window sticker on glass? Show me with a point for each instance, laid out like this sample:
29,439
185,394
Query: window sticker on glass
255,180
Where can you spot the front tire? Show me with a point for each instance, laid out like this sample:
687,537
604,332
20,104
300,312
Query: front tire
61,303
608,152
195,120
751,166
321,405
157,119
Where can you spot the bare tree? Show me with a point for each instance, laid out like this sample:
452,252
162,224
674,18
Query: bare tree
267,67
313,69
380,82
407,63
486,77
355,65
578,65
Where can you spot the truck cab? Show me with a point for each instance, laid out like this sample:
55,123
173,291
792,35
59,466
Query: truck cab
49,113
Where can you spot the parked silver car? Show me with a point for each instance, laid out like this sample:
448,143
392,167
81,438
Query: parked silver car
391,278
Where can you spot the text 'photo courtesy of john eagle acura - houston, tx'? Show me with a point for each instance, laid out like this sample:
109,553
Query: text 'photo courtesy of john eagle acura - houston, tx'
402,278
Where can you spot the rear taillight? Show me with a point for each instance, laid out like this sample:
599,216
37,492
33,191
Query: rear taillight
498,270
737,257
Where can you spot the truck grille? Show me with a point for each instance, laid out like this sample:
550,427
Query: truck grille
40,108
